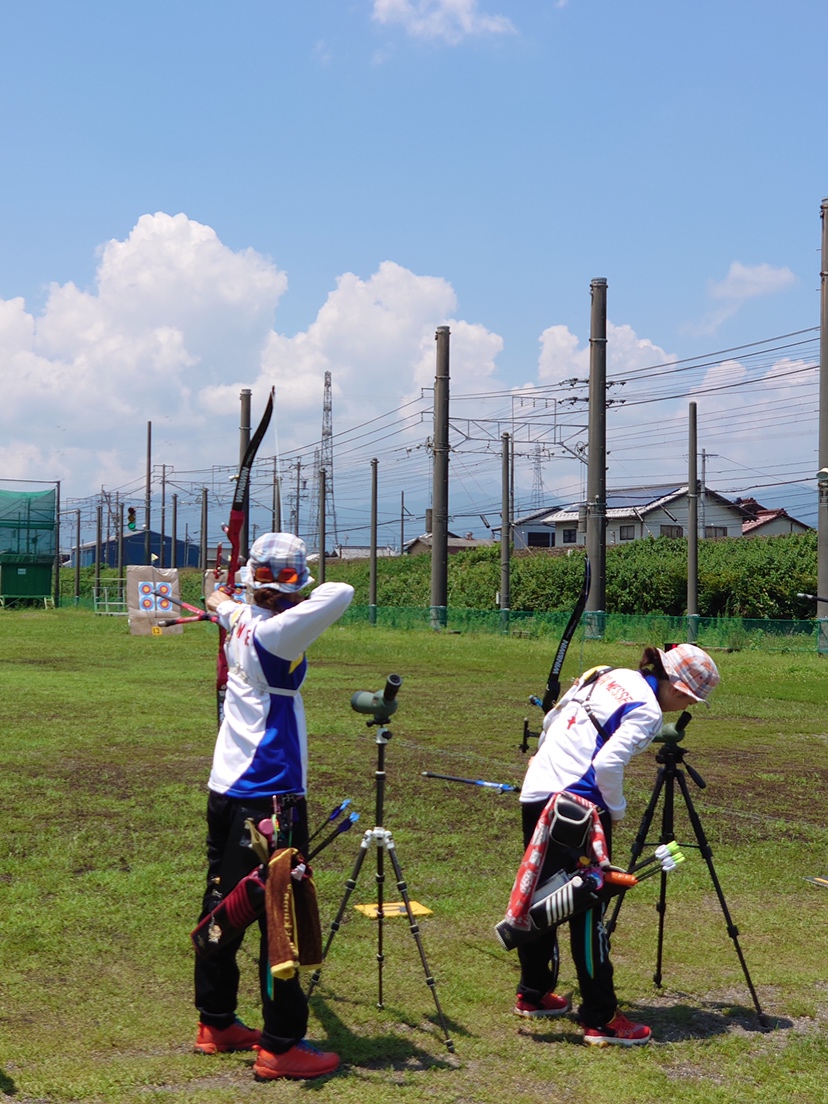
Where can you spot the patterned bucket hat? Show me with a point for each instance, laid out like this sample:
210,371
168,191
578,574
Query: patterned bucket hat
691,670
278,561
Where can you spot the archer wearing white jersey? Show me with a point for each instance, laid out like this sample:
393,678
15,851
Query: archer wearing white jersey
261,756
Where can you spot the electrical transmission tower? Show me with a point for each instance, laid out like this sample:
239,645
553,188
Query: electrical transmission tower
325,460
537,479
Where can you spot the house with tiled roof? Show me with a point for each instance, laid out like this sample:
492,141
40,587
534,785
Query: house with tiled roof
761,522
656,510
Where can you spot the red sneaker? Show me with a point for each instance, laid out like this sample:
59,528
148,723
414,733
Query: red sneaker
550,1005
618,1032
301,1062
211,1040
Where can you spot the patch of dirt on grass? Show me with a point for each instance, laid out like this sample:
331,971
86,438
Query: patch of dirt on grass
763,784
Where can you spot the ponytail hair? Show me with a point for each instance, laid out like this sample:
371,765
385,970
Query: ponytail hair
651,663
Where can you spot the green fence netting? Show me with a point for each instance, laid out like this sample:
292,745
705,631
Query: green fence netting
712,632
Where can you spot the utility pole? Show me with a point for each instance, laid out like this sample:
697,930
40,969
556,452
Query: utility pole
147,497
56,594
505,534
202,558
161,558
298,493
77,555
822,476
174,535
440,484
322,534
597,457
120,516
276,523
98,542
372,577
692,534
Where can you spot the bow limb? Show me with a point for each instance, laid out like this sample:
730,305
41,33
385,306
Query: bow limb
553,683
233,530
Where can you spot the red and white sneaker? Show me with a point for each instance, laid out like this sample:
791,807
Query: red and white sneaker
212,1040
302,1062
551,1005
618,1032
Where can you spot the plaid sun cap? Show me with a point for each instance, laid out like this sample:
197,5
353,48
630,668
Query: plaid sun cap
278,561
691,670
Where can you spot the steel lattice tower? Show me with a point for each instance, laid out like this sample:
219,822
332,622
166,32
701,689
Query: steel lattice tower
325,460
537,479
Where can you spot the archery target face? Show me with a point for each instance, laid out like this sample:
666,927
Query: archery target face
154,597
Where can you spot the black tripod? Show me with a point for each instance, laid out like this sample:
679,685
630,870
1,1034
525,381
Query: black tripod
382,706
671,758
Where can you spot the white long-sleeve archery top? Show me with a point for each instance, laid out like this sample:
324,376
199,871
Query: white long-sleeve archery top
262,745
573,755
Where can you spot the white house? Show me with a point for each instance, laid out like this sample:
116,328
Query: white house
659,510
760,522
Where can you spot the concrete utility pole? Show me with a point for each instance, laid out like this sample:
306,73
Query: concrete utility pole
244,441
77,555
121,593
323,536
161,556
505,534
298,494
202,555
98,544
692,533
174,538
597,456
439,495
822,476
372,577
276,522
56,592
147,497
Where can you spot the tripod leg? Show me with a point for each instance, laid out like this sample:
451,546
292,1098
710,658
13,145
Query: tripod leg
667,835
415,931
732,930
638,846
350,886
380,916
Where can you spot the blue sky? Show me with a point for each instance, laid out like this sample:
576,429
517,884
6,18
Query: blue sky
204,196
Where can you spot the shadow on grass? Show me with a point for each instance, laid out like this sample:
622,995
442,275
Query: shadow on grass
7,1086
389,1050
681,1022
677,1023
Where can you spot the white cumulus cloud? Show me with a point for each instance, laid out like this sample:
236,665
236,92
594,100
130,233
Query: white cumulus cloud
176,325
449,20
741,284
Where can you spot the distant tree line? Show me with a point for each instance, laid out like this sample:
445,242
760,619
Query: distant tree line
738,577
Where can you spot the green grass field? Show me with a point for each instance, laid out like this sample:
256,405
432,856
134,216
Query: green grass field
106,745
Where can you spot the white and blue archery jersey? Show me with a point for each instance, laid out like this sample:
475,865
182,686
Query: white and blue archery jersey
262,745
574,755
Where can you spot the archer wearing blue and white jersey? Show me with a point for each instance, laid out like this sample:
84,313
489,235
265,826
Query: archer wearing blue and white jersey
607,717
262,746
260,764
587,758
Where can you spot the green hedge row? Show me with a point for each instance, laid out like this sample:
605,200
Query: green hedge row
738,578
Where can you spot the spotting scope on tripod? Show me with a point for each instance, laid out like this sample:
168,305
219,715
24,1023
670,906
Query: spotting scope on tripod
672,768
380,707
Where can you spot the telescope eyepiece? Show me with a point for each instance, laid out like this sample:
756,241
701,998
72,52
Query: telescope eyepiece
382,704
392,685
